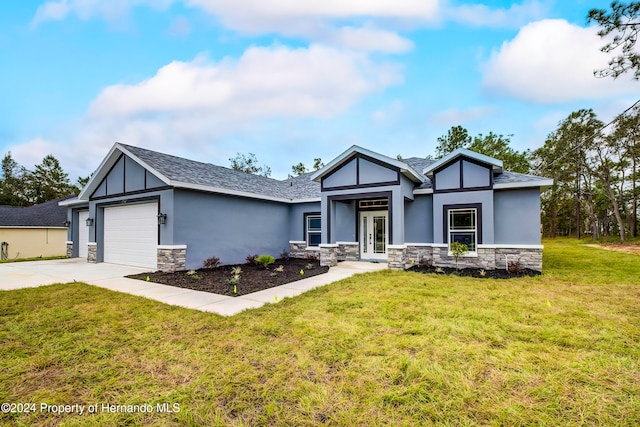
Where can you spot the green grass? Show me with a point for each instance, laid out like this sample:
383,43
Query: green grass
387,348
39,258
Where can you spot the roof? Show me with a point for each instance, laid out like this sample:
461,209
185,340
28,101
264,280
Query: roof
495,163
47,214
184,173
405,169
190,174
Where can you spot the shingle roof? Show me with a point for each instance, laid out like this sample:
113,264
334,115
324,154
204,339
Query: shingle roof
180,170
192,172
47,214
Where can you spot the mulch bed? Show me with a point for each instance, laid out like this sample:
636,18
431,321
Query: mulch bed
253,278
476,272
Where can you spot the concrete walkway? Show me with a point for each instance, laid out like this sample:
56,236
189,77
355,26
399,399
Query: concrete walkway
110,276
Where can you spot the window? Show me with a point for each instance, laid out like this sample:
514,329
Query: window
463,227
313,229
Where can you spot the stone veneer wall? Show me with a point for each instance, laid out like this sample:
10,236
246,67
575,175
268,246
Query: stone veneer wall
92,252
172,258
489,258
328,255
69,249
298,249
348,251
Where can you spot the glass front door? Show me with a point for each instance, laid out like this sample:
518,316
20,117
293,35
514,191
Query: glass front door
374,235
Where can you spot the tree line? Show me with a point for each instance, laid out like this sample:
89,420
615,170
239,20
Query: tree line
48,181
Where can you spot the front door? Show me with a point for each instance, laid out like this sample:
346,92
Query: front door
374,236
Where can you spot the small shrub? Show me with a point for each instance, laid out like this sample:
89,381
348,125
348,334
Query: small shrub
457,250
251,259
309,266
193,275
212,262
280,268
425,263
265,260
483,272
515,266
311,256
284,255
439,270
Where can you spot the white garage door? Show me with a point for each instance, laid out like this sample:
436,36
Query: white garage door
131,235
83,234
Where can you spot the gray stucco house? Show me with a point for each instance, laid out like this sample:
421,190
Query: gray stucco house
163,212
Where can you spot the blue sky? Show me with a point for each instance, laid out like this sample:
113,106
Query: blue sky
291,80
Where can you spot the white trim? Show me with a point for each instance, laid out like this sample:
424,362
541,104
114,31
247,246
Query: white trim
327,245
525,184
92,244
347,243
73,202
396,246
69,242
312,248
467,255
423,191
30,227
172,246
312,200
424,245
297,241
439,245
504,246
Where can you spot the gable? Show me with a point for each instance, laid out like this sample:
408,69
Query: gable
126,176
463,174
359,171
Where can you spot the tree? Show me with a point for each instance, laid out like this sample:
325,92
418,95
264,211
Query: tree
298,169
624,21
317,164
249,164
49,181
564,158
13,183
456,137
492,145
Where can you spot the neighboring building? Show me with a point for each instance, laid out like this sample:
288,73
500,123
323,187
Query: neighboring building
163,212
34,231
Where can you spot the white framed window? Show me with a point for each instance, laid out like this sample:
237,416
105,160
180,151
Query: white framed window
463,227
313,229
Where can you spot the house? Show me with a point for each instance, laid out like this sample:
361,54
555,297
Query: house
159,211
34,231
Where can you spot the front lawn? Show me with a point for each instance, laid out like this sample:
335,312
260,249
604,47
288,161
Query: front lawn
386,348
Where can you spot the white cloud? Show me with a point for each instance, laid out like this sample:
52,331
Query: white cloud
110,10
317,81
455,116
194,108
480,15
180,27
391,114
552,61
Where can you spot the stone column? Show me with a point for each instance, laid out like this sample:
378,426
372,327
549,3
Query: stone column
396,256
328,255
69,249
172,258
92,252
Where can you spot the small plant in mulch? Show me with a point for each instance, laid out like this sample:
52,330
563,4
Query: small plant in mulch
458,250
194,275
515,266
480,273
235,278
252,259
265,260
309,266
213,262
278,269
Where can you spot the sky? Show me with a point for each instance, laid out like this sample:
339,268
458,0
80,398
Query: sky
292,80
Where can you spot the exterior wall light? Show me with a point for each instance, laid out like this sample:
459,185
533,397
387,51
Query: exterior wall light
89,222
162,218
66,223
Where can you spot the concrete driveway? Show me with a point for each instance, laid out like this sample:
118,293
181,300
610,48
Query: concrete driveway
29,274
17,275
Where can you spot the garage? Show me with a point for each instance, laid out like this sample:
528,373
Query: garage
131,235
83,234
